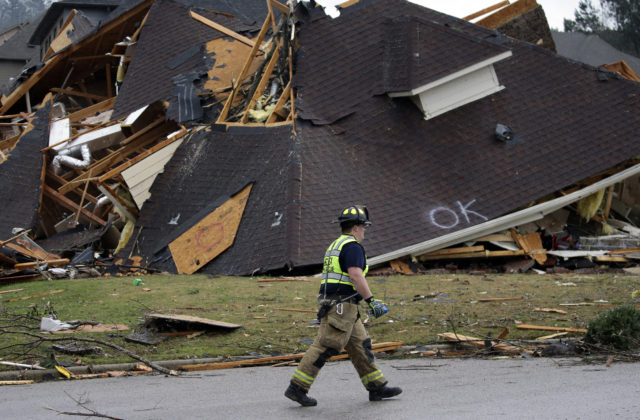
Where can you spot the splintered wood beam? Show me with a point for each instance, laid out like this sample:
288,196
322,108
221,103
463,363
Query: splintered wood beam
263,82
482,254
279,105
92,110
65,202
389,346
486,10
72,92
53,263
60,180
13,238
273,19
127,210
504,15
254,50
460,250
545,328
283,8
221,28
116,171
116,157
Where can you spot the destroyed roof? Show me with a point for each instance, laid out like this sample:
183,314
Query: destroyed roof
417,52
20,181
52,14
17,48
155,65
420,179
591,49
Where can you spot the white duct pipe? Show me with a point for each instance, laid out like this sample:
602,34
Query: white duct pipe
63,158
102,201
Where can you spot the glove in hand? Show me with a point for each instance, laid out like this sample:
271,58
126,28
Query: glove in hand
377,308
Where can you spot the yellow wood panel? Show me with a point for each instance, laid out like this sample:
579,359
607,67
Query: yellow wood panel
230,57
211,236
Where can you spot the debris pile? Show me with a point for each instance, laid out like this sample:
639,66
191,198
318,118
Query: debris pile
174,136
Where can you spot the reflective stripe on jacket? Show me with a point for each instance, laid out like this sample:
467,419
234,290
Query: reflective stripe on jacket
332,272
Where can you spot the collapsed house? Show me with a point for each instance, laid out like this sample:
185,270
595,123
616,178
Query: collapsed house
223,137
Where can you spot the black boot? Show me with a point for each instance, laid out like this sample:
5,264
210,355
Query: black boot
299,395
384,391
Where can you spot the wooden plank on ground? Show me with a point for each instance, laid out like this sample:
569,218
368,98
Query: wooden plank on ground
505,14
53,292
546,328
388,346
94,328
499,299
210,236
17,382
482,343
10,291
281,279
194,320
551,310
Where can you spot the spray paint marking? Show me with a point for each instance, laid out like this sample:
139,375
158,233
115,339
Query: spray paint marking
446,218
214,234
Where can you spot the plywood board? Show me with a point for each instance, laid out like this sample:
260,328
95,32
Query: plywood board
194,320
211,236
229,56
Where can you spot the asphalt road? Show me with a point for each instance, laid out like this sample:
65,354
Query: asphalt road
540,388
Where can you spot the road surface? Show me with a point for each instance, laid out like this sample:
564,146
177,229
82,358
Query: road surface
539,388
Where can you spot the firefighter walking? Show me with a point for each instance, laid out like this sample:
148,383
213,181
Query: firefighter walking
342,289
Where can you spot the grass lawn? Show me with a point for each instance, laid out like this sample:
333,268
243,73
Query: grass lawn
273,318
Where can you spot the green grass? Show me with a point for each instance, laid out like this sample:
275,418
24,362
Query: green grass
268,329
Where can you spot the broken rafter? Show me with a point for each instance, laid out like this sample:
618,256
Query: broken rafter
53,263
81,94
486,10
116,171
135,142
227,106
221,28
263,81
69,204
505,14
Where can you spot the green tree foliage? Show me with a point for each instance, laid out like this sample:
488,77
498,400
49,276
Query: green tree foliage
617,21
619,328
587,19
626,15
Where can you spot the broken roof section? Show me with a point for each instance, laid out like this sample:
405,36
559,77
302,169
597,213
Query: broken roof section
333,135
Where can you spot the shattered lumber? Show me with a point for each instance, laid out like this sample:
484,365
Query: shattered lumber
389,346
544,328
484,344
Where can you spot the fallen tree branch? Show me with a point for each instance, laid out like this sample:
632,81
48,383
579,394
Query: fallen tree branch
149,363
